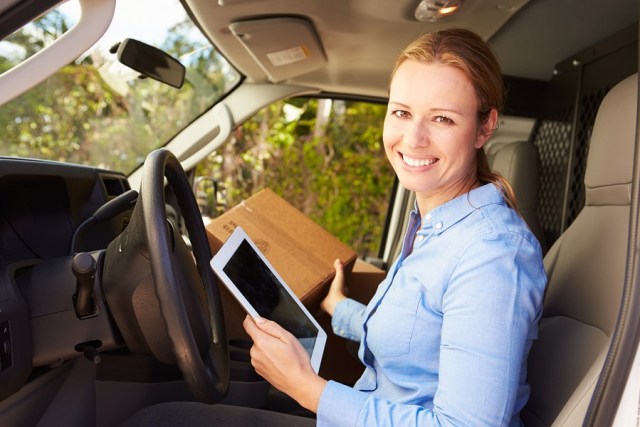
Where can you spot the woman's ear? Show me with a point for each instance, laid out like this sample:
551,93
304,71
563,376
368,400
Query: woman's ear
488,127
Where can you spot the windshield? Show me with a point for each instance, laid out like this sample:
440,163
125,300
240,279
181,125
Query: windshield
95,110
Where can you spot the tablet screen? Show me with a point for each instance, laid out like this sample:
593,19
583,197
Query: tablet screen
267,295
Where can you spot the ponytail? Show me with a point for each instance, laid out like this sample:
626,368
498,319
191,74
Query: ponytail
486,176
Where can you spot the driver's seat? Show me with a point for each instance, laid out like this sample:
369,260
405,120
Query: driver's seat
586,269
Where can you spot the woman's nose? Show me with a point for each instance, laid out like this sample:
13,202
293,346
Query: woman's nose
417,134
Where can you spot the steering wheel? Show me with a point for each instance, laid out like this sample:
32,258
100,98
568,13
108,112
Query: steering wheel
174,313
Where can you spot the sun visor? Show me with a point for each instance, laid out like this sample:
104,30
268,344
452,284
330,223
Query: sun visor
283,47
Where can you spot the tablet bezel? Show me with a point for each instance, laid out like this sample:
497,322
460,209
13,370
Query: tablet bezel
220,260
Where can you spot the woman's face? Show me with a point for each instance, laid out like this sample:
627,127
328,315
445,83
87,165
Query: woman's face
431,131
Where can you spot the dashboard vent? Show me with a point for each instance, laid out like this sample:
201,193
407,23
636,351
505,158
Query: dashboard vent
115,185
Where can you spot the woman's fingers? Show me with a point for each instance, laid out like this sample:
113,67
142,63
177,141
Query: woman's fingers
279,358
267,326
275,351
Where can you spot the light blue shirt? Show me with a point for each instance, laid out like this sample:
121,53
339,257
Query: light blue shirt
445,338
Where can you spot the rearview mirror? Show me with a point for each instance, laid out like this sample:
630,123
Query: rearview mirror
150,62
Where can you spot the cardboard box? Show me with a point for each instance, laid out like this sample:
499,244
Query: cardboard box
363,281
341,360
300,250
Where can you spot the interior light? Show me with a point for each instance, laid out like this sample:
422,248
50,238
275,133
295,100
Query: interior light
448,10
433,10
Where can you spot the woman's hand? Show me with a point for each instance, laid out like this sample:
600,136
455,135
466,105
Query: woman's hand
279,358
337,290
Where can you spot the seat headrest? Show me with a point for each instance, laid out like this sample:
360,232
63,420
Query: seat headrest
491,148
519,163
610,161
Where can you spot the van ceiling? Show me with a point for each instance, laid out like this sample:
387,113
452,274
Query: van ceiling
362,37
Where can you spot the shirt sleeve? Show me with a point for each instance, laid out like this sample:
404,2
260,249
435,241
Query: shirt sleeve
491,307
490,310
347,320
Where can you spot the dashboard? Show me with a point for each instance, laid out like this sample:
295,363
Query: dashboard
42,205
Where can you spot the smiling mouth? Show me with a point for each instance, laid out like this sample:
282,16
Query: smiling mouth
410,161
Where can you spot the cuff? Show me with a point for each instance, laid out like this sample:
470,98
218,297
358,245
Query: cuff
339,405
347,319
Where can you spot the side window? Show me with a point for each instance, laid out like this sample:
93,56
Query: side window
324,156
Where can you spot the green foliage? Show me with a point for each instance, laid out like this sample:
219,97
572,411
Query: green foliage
79,116
34,37
332,168
53,121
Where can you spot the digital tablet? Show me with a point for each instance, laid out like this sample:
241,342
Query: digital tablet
261,291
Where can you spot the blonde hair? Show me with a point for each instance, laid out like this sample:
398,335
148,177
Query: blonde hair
467,52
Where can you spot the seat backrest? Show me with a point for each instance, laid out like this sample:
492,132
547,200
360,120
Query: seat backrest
519,163
586,268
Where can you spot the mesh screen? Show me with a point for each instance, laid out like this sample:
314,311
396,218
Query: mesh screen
553,139
587,114
563,132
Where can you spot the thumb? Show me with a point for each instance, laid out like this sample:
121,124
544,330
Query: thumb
336,290
337,284
270,327
339,268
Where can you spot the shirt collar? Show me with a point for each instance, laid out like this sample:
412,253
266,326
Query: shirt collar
440,218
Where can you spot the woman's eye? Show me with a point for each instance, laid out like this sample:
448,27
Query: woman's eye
401,114
443,119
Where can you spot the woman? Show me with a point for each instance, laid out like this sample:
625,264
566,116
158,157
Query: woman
446,337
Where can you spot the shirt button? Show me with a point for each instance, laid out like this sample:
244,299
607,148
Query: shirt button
427,217
420,238
438,226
